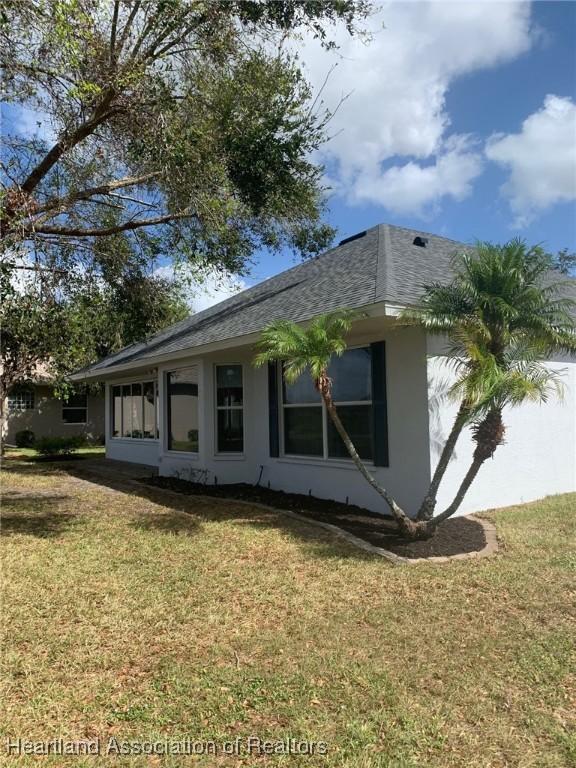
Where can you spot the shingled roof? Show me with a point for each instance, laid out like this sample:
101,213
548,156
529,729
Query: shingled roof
380,265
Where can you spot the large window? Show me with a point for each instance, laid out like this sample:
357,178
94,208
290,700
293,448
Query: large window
308,430
134,410
229,409
75,409
21,400
182,395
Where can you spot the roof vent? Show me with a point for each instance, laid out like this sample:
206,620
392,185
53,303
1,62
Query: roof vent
421,241
352,237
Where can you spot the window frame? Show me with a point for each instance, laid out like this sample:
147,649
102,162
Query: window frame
325,456
20,395
193,455
232,454
121,385
66,407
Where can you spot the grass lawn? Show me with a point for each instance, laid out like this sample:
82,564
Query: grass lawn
126,617
88,451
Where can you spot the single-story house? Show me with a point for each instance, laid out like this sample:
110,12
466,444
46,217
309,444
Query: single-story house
33,406
189,401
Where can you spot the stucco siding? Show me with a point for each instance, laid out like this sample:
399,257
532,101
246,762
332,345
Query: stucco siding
45,419
539,455
406,477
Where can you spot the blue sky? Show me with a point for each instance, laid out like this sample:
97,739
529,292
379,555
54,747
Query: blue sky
524,53
459,119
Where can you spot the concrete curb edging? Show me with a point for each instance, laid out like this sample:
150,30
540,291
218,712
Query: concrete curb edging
490,548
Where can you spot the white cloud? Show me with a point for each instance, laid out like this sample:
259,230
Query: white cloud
397,86
541,159
203,293
415,188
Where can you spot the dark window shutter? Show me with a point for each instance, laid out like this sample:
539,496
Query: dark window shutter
273,409
379,404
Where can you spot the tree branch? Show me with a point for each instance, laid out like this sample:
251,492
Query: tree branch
101,115
128,225
102,189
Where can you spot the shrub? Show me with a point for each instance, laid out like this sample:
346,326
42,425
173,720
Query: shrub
59,446
25,438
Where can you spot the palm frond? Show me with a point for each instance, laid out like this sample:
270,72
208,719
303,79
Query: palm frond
305,349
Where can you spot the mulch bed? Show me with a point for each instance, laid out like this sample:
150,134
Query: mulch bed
456,536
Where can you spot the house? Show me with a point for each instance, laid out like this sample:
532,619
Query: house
33,406
189,401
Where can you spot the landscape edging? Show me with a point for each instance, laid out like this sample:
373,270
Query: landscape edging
490,548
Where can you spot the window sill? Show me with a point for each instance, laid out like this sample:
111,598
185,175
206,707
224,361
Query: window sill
181,455
145,440
229,457
326,463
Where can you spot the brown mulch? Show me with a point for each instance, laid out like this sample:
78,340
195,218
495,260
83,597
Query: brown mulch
456,536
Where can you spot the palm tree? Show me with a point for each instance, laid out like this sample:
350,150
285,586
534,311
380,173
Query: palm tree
311,349
489,386
501,313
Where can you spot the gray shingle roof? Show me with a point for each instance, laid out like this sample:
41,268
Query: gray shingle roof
381,265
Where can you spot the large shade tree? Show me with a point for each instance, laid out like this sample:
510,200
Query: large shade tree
503,315
185,116
168,130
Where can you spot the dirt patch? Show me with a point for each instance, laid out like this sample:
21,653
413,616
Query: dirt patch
457,536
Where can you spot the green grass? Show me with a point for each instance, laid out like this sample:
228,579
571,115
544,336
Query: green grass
89,451
145,615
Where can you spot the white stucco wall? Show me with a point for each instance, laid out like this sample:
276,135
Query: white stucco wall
539,455
407,476
538,458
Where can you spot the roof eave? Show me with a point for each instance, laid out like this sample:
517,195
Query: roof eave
383,309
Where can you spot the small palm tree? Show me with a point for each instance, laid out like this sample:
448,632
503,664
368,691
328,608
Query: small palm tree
310,349
502,313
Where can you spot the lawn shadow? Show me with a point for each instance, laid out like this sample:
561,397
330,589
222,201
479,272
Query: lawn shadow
34,515
130,478
22,466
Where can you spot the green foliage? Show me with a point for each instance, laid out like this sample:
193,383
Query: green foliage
564,261
503,315
62,320
305,349
25,438
187,119
184,133
59,446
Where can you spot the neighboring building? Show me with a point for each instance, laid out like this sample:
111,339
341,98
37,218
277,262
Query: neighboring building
189,401
33,406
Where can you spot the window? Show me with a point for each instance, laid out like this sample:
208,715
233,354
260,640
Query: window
134,410
182,395
308,430
229,409
21,400
75,409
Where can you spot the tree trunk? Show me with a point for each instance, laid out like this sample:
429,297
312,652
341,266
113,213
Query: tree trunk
407,527
428,505
3,419
489,434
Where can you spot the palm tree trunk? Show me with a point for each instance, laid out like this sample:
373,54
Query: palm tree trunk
428,505
407,527
489,434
